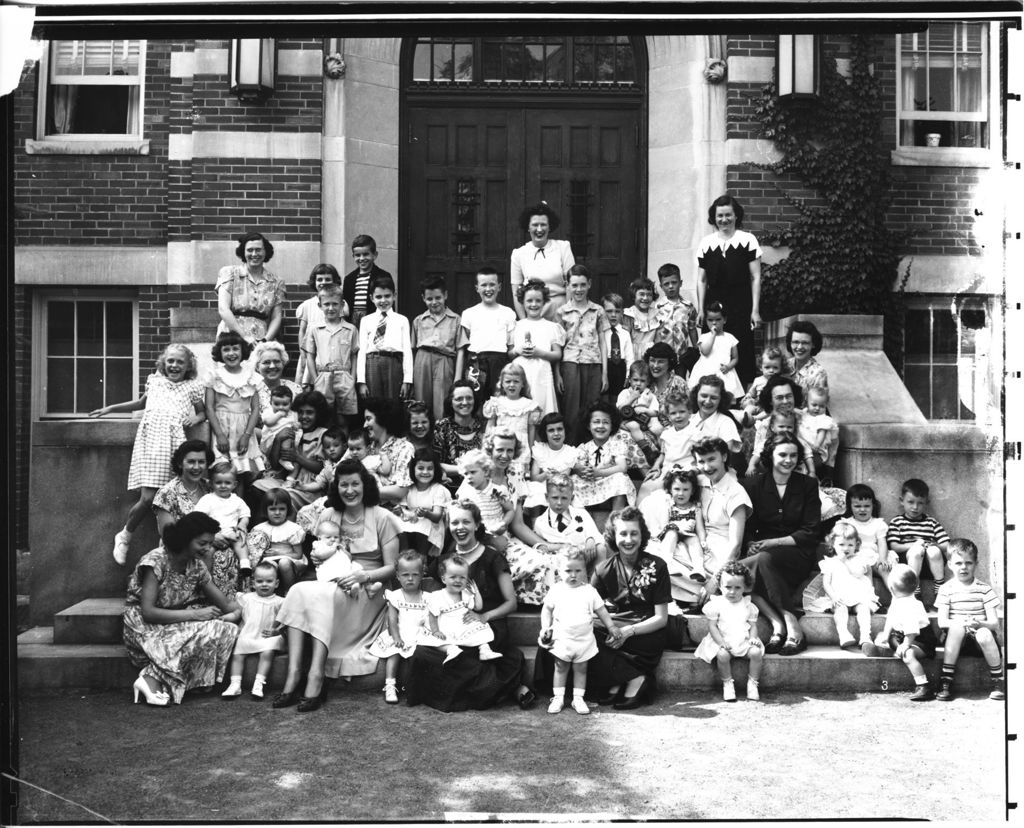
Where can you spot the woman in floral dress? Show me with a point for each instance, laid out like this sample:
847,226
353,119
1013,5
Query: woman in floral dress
250,299
179,497
174,627
460,430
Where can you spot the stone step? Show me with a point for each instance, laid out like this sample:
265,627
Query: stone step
45,664
98,621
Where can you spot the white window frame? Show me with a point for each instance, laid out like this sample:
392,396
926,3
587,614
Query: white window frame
989,156
85,144
39,339
982,368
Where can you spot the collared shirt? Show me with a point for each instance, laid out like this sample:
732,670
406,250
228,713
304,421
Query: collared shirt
548,264
332,347
489,327
582,329
396,340
625,344
678,323
444,335
643,328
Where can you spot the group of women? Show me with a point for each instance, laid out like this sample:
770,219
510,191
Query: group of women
179,593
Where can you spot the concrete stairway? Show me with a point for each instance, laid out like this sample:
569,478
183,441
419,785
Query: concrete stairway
83,649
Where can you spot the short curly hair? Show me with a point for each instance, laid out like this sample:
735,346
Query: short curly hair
324,269
662,350
533,284
371,491
627,513
230,338
541,208
805,327
389,414
737,569
268,248
711,381
764,399
271,345
726,201
191,367
604,407
189,446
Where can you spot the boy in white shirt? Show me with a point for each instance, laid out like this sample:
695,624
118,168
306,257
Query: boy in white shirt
384,359
618,344
489,326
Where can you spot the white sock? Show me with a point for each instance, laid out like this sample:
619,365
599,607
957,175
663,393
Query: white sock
258,680
127,531
577,693
558,692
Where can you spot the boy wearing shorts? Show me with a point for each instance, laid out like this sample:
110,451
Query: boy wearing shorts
915,536
967,612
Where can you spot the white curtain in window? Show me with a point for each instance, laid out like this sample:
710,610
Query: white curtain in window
133,126
908,85
64,99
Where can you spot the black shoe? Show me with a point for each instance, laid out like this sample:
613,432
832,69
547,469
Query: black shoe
526,699
642,696
610,698
285,699
945,692
315,703
922,693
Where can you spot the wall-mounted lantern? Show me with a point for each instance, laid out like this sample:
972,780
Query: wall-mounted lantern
252,64
796,67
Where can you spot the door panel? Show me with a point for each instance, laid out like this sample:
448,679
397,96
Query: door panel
470,170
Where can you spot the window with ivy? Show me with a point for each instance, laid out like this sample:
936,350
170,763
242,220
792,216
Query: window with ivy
944,95
605,61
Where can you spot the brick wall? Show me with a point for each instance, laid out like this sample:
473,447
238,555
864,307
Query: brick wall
931,203
94,199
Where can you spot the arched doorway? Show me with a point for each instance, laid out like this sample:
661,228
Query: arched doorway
492,124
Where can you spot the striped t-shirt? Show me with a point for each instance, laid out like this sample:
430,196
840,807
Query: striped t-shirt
966,600
903,530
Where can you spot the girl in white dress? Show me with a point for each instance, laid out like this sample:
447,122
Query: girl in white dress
423,508
260,633
447,608
233,406
846,581
172,402
862,509
407,619
567,628
512,407
551,455
537,344
718,352
732,632
278,539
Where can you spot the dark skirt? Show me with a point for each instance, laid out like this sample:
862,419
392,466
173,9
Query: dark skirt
467,683
639,656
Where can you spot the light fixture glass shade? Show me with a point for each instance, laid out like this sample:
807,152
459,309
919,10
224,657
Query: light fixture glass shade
796,66
253,67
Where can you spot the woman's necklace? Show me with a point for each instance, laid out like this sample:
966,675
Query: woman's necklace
191,490
353,521
466,552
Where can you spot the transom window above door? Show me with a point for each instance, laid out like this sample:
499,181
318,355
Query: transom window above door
604,61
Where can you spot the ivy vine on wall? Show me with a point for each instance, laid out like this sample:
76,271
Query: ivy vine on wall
843,257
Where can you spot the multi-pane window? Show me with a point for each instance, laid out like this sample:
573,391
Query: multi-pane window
947,346
944,96
87,352
92,89
601,61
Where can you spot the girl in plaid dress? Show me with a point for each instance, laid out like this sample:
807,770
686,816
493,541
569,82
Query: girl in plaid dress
173,401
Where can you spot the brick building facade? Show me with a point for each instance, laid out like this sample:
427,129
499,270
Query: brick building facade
150,222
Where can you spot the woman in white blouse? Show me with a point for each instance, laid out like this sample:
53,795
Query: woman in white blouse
541,258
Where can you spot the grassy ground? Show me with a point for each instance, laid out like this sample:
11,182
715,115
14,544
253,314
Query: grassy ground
691,757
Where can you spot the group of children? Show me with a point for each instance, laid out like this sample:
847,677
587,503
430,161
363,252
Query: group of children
551,383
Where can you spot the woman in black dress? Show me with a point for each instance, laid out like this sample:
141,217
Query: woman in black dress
467,682
729,271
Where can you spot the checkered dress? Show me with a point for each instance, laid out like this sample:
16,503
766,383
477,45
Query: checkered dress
161,431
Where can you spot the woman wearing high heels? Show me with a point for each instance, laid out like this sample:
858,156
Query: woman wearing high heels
781,539
178,646
636,590
344,616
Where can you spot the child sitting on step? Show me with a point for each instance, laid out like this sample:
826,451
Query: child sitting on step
908,631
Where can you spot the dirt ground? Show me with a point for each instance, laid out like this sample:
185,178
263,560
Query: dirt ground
790,757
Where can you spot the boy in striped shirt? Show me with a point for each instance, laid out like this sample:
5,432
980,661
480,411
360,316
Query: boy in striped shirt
914,536
967,612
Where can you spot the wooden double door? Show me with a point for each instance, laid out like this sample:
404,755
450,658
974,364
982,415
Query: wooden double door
470,169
